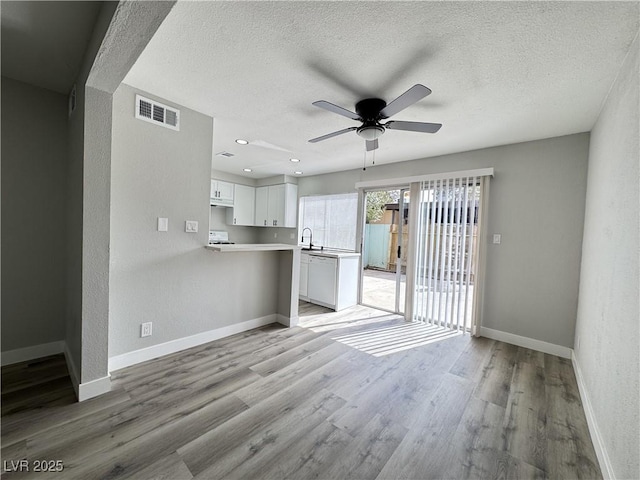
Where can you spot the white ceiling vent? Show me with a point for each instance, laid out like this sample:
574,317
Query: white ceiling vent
155,112
224,154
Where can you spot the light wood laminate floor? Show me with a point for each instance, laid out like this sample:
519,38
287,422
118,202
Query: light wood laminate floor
358,394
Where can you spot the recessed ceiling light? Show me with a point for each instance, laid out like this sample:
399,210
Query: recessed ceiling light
296,160
298,172
241,141
247,170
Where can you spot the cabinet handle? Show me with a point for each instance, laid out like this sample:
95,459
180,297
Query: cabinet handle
265,223
234,221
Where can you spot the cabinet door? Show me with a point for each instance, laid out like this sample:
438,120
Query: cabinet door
214,189
276,205
290,206
262,207
244,204
304,279
225,191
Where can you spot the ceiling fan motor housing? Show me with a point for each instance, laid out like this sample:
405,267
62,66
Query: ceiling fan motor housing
369,109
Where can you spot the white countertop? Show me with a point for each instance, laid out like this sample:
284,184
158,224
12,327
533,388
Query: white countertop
251,247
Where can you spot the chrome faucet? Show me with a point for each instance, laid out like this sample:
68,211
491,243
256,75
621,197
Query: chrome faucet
310,237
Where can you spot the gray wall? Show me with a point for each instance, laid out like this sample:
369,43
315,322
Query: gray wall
75,213
537,204
169,278
34,164
607,337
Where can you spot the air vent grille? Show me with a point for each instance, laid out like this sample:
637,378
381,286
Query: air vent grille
225,154
171,118
157,113
144,109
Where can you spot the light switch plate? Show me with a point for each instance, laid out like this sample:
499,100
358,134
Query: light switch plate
163,224
191,226
497,238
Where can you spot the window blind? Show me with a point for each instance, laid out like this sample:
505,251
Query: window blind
332,219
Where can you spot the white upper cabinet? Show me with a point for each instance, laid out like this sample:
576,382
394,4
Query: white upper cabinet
243,211
221,193
262,207
276,206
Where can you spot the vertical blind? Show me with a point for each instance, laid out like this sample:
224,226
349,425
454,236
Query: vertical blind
332,219
447,252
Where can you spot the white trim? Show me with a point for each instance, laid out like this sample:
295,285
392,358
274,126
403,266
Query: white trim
138,356
94,388
31,353
596,437
287,321
526,342
391,182
73,371
481,265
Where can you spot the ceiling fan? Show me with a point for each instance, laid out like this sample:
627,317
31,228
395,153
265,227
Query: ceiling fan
371,111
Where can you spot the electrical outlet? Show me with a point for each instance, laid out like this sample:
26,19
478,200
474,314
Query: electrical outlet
191,226
163,224
292,236
497,238
145,329
275,235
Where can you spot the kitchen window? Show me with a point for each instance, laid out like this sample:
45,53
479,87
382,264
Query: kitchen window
331,218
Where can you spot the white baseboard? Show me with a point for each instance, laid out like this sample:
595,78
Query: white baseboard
94,388
287,321
596,437
137,356
532,343
31,353
86,390
73,371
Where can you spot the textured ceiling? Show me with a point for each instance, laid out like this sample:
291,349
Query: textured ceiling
43,42
500,72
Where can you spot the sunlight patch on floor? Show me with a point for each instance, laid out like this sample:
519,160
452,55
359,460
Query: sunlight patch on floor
387,340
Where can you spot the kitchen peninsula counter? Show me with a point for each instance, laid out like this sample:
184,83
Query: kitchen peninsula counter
287,278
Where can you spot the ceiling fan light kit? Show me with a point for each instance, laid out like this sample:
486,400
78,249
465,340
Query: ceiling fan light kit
370,132
371,111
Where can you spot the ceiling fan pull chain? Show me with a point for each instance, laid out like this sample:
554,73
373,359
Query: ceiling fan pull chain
364,160
374,158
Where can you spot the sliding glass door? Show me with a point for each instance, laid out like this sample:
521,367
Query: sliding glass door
384,252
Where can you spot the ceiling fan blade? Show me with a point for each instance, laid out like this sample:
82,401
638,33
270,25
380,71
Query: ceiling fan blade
334,134
336,109
371,144
408,98
413,126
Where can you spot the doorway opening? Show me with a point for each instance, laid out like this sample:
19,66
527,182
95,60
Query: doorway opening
384,249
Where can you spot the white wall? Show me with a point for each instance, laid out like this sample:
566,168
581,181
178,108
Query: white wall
169,278
537,204
34,167
607,338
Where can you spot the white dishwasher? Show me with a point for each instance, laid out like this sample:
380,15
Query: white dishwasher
322,280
